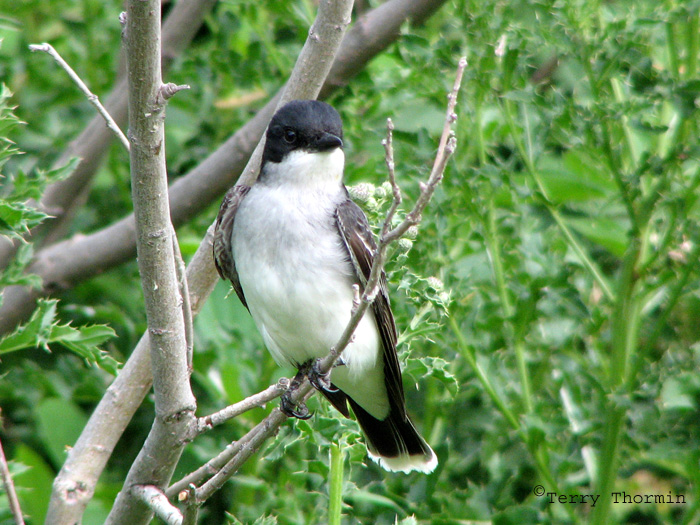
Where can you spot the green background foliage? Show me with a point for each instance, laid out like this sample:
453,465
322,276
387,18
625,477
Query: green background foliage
547,308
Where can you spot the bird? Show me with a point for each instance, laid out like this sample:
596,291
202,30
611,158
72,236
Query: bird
293,244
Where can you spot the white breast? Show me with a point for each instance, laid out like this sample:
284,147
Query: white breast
297,281
297,277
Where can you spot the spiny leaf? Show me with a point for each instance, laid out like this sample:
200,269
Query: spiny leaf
31,186
35,333
17,217
432,367
14,273
42,330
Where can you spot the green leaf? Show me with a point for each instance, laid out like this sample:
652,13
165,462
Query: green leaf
32,186
517,514
287,436
364,497
14,273
59,423
432,367
417,115
17,217
84,341
608,233
35,333
34,485
16,214
41,330
679,393
574,178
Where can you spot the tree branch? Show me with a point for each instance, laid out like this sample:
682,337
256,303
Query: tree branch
372,34
214,465
66,263
256,400
174,402
181,273
74,485
247,446
156,500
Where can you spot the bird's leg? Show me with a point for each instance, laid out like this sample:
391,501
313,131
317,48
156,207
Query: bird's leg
321,381
287,406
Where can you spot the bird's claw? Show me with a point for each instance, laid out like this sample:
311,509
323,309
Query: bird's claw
291,409
288,407
320,381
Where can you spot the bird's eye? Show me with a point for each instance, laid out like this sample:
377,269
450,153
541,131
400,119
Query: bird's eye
290,136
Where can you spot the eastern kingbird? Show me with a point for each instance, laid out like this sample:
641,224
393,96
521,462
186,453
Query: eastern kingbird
293,245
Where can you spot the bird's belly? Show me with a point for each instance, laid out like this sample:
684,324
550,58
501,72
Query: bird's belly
299,317
299,292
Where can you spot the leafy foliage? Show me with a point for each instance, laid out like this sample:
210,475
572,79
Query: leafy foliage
547,304
59,420
42,330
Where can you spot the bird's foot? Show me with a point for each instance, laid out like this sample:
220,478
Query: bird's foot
288,407
291,409
321,381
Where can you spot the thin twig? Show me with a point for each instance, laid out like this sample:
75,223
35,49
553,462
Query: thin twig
390,166
214,465
246,448
10,489
445,150
92,98
207,470
158,503
181,273
256,400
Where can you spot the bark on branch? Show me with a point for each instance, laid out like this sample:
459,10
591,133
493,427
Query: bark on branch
174,402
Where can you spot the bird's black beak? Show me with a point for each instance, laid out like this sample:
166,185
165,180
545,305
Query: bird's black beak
328,141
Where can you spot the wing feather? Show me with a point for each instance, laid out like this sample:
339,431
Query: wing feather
356,234
223,256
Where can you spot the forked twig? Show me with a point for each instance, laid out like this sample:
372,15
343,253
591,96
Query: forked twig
256,400
156,500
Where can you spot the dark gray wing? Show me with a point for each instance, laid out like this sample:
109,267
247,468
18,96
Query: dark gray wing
223,256
357,236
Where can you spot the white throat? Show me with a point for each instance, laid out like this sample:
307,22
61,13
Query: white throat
307,170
